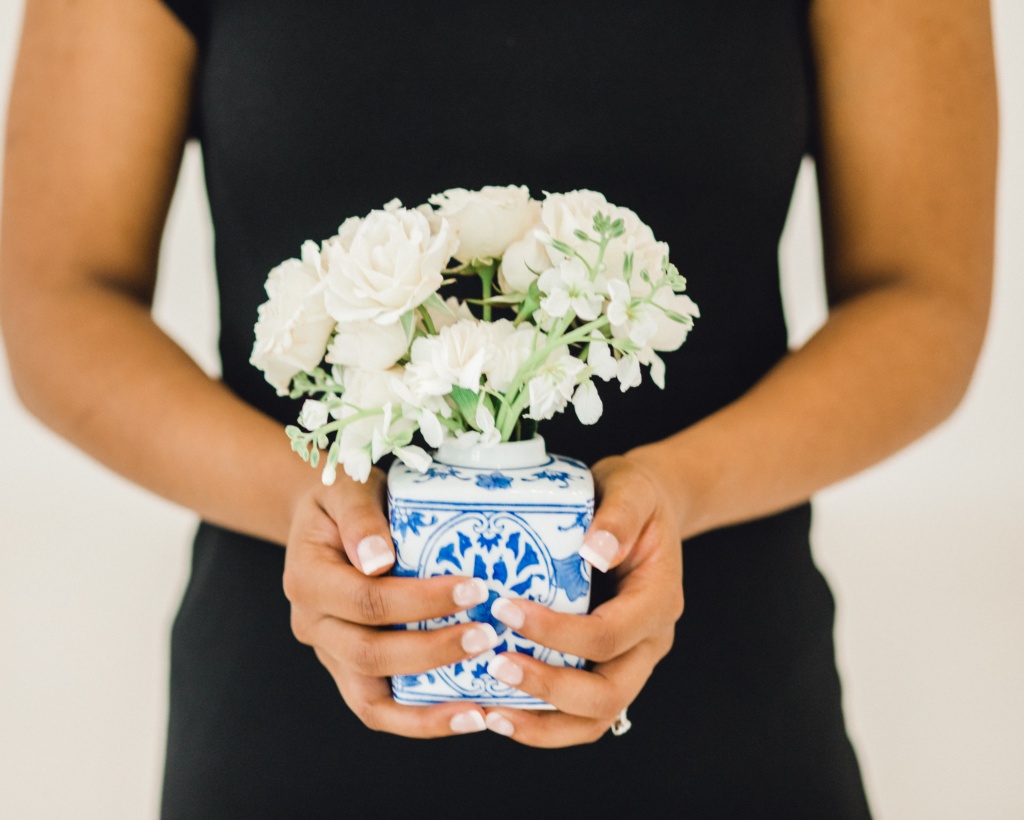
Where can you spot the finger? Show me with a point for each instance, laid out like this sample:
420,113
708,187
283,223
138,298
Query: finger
545,730
386,652
610,630
333,588
358,512
370,699
599,694
624,506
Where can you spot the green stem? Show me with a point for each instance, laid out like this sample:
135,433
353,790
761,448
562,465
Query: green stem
486,281
428,323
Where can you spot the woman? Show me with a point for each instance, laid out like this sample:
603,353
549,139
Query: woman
696,116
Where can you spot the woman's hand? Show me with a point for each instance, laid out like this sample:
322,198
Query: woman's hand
636,532
339,542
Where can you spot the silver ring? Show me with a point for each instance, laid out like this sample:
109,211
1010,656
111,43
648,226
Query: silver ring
621,724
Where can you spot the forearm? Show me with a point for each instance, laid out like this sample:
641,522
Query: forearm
89,361
888,365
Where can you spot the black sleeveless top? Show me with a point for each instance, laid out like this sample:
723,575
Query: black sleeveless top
695,114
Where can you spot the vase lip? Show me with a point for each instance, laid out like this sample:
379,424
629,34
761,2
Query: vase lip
508,455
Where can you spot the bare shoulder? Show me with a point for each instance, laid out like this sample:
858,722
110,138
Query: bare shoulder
908,145
97,120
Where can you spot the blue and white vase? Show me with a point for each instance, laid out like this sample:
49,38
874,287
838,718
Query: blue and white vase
511,515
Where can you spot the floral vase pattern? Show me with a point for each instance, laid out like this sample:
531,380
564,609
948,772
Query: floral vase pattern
511,515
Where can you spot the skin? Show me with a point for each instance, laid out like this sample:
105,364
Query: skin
908,131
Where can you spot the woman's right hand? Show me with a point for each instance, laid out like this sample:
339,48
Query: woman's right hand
338,547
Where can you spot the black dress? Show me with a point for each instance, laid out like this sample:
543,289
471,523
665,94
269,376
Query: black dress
695,114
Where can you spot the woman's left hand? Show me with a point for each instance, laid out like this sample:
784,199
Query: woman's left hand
637,533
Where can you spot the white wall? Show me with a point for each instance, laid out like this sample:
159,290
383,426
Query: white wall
924,553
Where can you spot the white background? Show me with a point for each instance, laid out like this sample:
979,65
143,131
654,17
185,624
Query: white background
924,554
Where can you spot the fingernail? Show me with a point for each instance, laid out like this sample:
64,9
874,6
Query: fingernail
505,670
508,613
500,724
374,553
465,722
470,592
479,639
599,549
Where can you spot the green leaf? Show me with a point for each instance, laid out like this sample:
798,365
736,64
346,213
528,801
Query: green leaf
466,401
677,317
407,324
436,302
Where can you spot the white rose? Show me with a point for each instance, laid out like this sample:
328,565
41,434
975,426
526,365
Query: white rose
563,214
455,356
510,347
489,220
522,263
293,326
368,345
383,265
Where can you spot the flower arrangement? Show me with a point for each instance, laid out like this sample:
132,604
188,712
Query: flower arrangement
360,327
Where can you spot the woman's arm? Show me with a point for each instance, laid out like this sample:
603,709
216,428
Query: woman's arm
907,175
96,126
906,168
97,122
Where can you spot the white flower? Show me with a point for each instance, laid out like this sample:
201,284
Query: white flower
416,457
368,345
552,387
587,403
293,326
600,359
313,415
630,318
670,334
383,265
628,372
489,220
455,356
568,287
522,263
509,348
564,214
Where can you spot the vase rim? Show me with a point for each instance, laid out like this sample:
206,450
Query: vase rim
508,455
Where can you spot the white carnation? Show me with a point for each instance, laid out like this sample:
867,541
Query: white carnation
455,356
489,220
293,326
509,348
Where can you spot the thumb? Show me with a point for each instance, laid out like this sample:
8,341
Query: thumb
358,512
622,513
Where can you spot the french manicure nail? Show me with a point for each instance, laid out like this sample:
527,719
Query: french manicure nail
500,724
599,549
465,722
479,639
470,592
374,553
505,670
508,613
